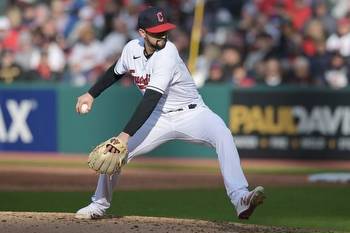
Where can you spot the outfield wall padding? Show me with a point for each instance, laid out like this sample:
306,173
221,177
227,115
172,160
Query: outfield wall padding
283,122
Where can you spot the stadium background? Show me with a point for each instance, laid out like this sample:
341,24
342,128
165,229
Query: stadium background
275,70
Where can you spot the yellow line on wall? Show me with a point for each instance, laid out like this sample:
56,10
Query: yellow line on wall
196,34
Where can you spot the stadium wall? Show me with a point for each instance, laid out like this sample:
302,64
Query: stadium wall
290,122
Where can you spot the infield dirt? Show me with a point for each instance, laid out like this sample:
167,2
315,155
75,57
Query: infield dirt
29,222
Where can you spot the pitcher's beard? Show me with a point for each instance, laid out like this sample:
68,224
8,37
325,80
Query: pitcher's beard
158,45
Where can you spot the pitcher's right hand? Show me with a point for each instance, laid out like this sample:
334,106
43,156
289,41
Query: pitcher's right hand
84,99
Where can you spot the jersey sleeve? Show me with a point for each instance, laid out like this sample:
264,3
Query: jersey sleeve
162,73
121,65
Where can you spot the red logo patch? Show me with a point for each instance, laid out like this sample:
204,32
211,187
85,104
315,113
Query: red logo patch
140,81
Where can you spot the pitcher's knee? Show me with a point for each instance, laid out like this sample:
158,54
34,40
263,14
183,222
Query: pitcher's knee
225,136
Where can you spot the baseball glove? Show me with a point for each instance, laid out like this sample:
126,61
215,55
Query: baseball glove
104,161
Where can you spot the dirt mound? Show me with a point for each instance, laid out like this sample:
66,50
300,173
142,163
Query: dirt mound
34,222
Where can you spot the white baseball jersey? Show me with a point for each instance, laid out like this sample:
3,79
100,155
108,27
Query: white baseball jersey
164,72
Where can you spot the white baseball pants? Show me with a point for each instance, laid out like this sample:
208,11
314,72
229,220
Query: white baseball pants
198,125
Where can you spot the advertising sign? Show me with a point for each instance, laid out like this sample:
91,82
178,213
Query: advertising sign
28,120
291,124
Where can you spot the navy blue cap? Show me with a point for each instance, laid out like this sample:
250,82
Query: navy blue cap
154,20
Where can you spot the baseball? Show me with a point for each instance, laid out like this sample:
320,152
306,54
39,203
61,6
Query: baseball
84,108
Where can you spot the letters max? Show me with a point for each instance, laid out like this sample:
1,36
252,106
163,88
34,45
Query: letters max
17,128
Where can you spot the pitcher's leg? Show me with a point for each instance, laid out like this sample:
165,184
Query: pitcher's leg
235,181
104,190
154,132
207,127
101,200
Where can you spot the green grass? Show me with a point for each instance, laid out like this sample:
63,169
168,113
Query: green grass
311,207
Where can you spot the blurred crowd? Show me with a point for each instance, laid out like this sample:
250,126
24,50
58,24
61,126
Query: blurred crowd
244,42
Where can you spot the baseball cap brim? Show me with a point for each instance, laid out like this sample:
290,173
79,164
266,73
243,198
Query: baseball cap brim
161,28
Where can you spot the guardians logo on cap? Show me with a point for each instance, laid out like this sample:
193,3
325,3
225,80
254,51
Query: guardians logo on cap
154,20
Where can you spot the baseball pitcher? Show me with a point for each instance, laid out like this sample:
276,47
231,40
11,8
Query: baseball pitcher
171,108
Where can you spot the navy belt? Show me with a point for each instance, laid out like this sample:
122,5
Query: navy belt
190,106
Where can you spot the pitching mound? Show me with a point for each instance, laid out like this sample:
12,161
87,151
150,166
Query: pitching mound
33,222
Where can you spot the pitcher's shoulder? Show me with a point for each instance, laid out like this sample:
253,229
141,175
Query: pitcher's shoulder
134,44
169,49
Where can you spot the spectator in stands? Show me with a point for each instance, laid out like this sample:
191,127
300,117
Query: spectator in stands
299,12
230,59
14,15
300,73
338,72
216,73
340,41
290,42
260,49
113,43
321,12
210,54
42,68
26,51
59,16
240,78
8,35
49,57
49,61
271,36
129,14
42,14
319,63
9,70
314,31
272,75
339,8
86,16
86,59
